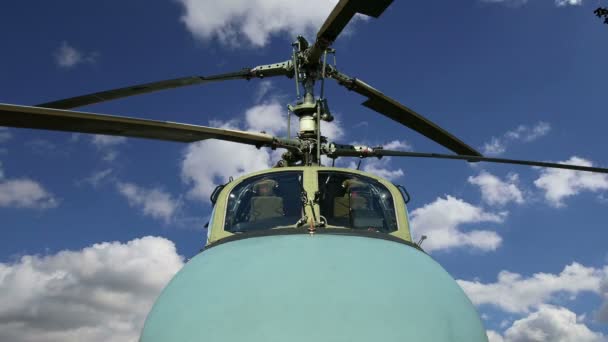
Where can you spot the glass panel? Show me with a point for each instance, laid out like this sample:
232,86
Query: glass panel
210,224
358,202
265,202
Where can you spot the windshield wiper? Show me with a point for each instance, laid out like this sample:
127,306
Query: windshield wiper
308,202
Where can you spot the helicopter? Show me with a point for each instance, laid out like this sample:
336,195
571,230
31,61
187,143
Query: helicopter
327,213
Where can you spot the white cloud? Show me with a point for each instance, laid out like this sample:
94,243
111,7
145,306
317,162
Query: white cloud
381,168
517,294
205,164
153,202
378,167
253,21
25,193
270,117
100,293
264,88
561,3
441,222
549,323
559,184
495,191
67,56
211,162
528,134
494,147
333,130
5,134
400,145
107,140
107,144
522,133
97,177
493,336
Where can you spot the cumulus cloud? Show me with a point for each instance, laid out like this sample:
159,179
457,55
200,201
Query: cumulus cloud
107,140
382,168
24,193
379,167
523,133
559,184
67,56
264,88
98,177
515,293
206,164
253,21
107,144
333,130
270,117
548,323
493,336
155,203
495,191
562,3
100,293
400,145
441,221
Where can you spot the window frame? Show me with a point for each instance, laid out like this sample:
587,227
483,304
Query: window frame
369,179
251,179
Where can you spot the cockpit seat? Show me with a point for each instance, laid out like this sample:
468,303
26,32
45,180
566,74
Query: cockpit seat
265,204
343,205
265,207
351,199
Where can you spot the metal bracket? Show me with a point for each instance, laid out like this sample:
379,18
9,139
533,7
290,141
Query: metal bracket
277,69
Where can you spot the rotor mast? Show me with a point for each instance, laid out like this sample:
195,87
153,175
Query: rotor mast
309,109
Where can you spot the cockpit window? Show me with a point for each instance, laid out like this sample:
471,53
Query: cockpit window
357,202
265,202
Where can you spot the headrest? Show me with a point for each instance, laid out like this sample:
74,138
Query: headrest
267,183
354,184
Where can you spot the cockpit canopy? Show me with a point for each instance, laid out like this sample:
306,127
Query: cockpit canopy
355,201
265,202
343,199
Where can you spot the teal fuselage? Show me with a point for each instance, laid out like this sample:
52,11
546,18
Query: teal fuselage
313,288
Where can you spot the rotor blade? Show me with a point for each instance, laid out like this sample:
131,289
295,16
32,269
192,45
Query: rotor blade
72,121
283,68
392,109
364,152
339,17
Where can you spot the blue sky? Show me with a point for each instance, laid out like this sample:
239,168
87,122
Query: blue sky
517,79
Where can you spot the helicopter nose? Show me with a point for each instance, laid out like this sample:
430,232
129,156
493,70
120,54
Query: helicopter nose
321,288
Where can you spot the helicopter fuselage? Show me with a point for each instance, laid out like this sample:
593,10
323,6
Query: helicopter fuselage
348,272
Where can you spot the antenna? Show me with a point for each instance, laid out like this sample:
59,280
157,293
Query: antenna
422,238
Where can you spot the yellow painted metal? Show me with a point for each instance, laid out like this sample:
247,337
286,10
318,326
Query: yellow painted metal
311,185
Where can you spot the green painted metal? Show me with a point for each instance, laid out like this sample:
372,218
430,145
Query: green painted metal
313,288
